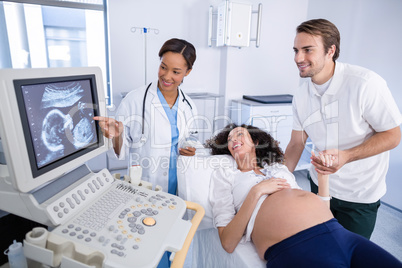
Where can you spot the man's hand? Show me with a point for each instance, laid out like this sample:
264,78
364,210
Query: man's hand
329,161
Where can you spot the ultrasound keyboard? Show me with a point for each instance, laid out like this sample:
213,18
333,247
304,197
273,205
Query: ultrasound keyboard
79,197
125,226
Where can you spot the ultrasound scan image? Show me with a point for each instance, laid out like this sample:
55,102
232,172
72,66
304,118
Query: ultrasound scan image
60,117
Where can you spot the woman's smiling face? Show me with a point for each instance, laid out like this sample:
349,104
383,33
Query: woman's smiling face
172,70
240,142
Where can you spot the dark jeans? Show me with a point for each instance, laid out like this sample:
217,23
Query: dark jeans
328,245
359,218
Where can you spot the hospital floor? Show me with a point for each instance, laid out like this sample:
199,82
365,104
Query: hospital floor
388,229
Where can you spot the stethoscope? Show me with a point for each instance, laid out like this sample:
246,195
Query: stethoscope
143,138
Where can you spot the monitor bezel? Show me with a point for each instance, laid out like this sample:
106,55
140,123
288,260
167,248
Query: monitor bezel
15,174
18,87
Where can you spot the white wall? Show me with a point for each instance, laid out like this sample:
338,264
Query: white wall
370,37
186,19
269,69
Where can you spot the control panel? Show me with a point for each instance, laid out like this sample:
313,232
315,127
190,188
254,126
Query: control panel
120,225
69,204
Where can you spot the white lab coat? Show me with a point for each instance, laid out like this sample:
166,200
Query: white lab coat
153,154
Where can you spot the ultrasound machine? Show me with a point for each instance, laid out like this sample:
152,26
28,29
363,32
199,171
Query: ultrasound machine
47,133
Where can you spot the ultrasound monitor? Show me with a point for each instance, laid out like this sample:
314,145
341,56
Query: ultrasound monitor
47,129
57,119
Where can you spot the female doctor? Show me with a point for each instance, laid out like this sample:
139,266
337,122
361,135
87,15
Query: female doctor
151,122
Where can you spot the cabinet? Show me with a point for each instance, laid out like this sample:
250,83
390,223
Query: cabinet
276,119
207,106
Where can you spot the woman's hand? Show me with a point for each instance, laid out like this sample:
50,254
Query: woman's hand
270,186
188,151
110,127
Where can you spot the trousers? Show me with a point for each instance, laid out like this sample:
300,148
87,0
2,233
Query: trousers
328,245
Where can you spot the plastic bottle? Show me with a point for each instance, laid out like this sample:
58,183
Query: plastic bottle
16,257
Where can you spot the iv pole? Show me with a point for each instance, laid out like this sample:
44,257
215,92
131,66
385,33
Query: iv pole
145,31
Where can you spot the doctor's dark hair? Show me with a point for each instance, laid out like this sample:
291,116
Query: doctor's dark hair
182,47
327,30
266,147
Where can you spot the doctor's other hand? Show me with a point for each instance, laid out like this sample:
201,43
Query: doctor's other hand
188,151
110,127
328,161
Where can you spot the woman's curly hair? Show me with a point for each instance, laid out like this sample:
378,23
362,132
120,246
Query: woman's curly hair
266,147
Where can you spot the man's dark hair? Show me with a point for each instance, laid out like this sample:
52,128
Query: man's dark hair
327,30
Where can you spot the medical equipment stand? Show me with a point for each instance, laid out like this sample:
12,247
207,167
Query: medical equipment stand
145,31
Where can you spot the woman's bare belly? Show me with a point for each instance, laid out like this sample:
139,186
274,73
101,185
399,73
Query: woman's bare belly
286,213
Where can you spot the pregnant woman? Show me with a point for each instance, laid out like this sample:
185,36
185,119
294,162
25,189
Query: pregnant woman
260,200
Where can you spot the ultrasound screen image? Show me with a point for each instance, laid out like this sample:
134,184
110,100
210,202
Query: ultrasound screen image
60,118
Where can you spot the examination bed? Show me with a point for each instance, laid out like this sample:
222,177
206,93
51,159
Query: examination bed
194,174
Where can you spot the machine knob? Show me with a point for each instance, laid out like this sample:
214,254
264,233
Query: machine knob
149,221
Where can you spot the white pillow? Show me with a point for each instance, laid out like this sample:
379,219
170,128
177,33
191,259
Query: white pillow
193,179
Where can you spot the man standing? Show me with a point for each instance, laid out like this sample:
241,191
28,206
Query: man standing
348,112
